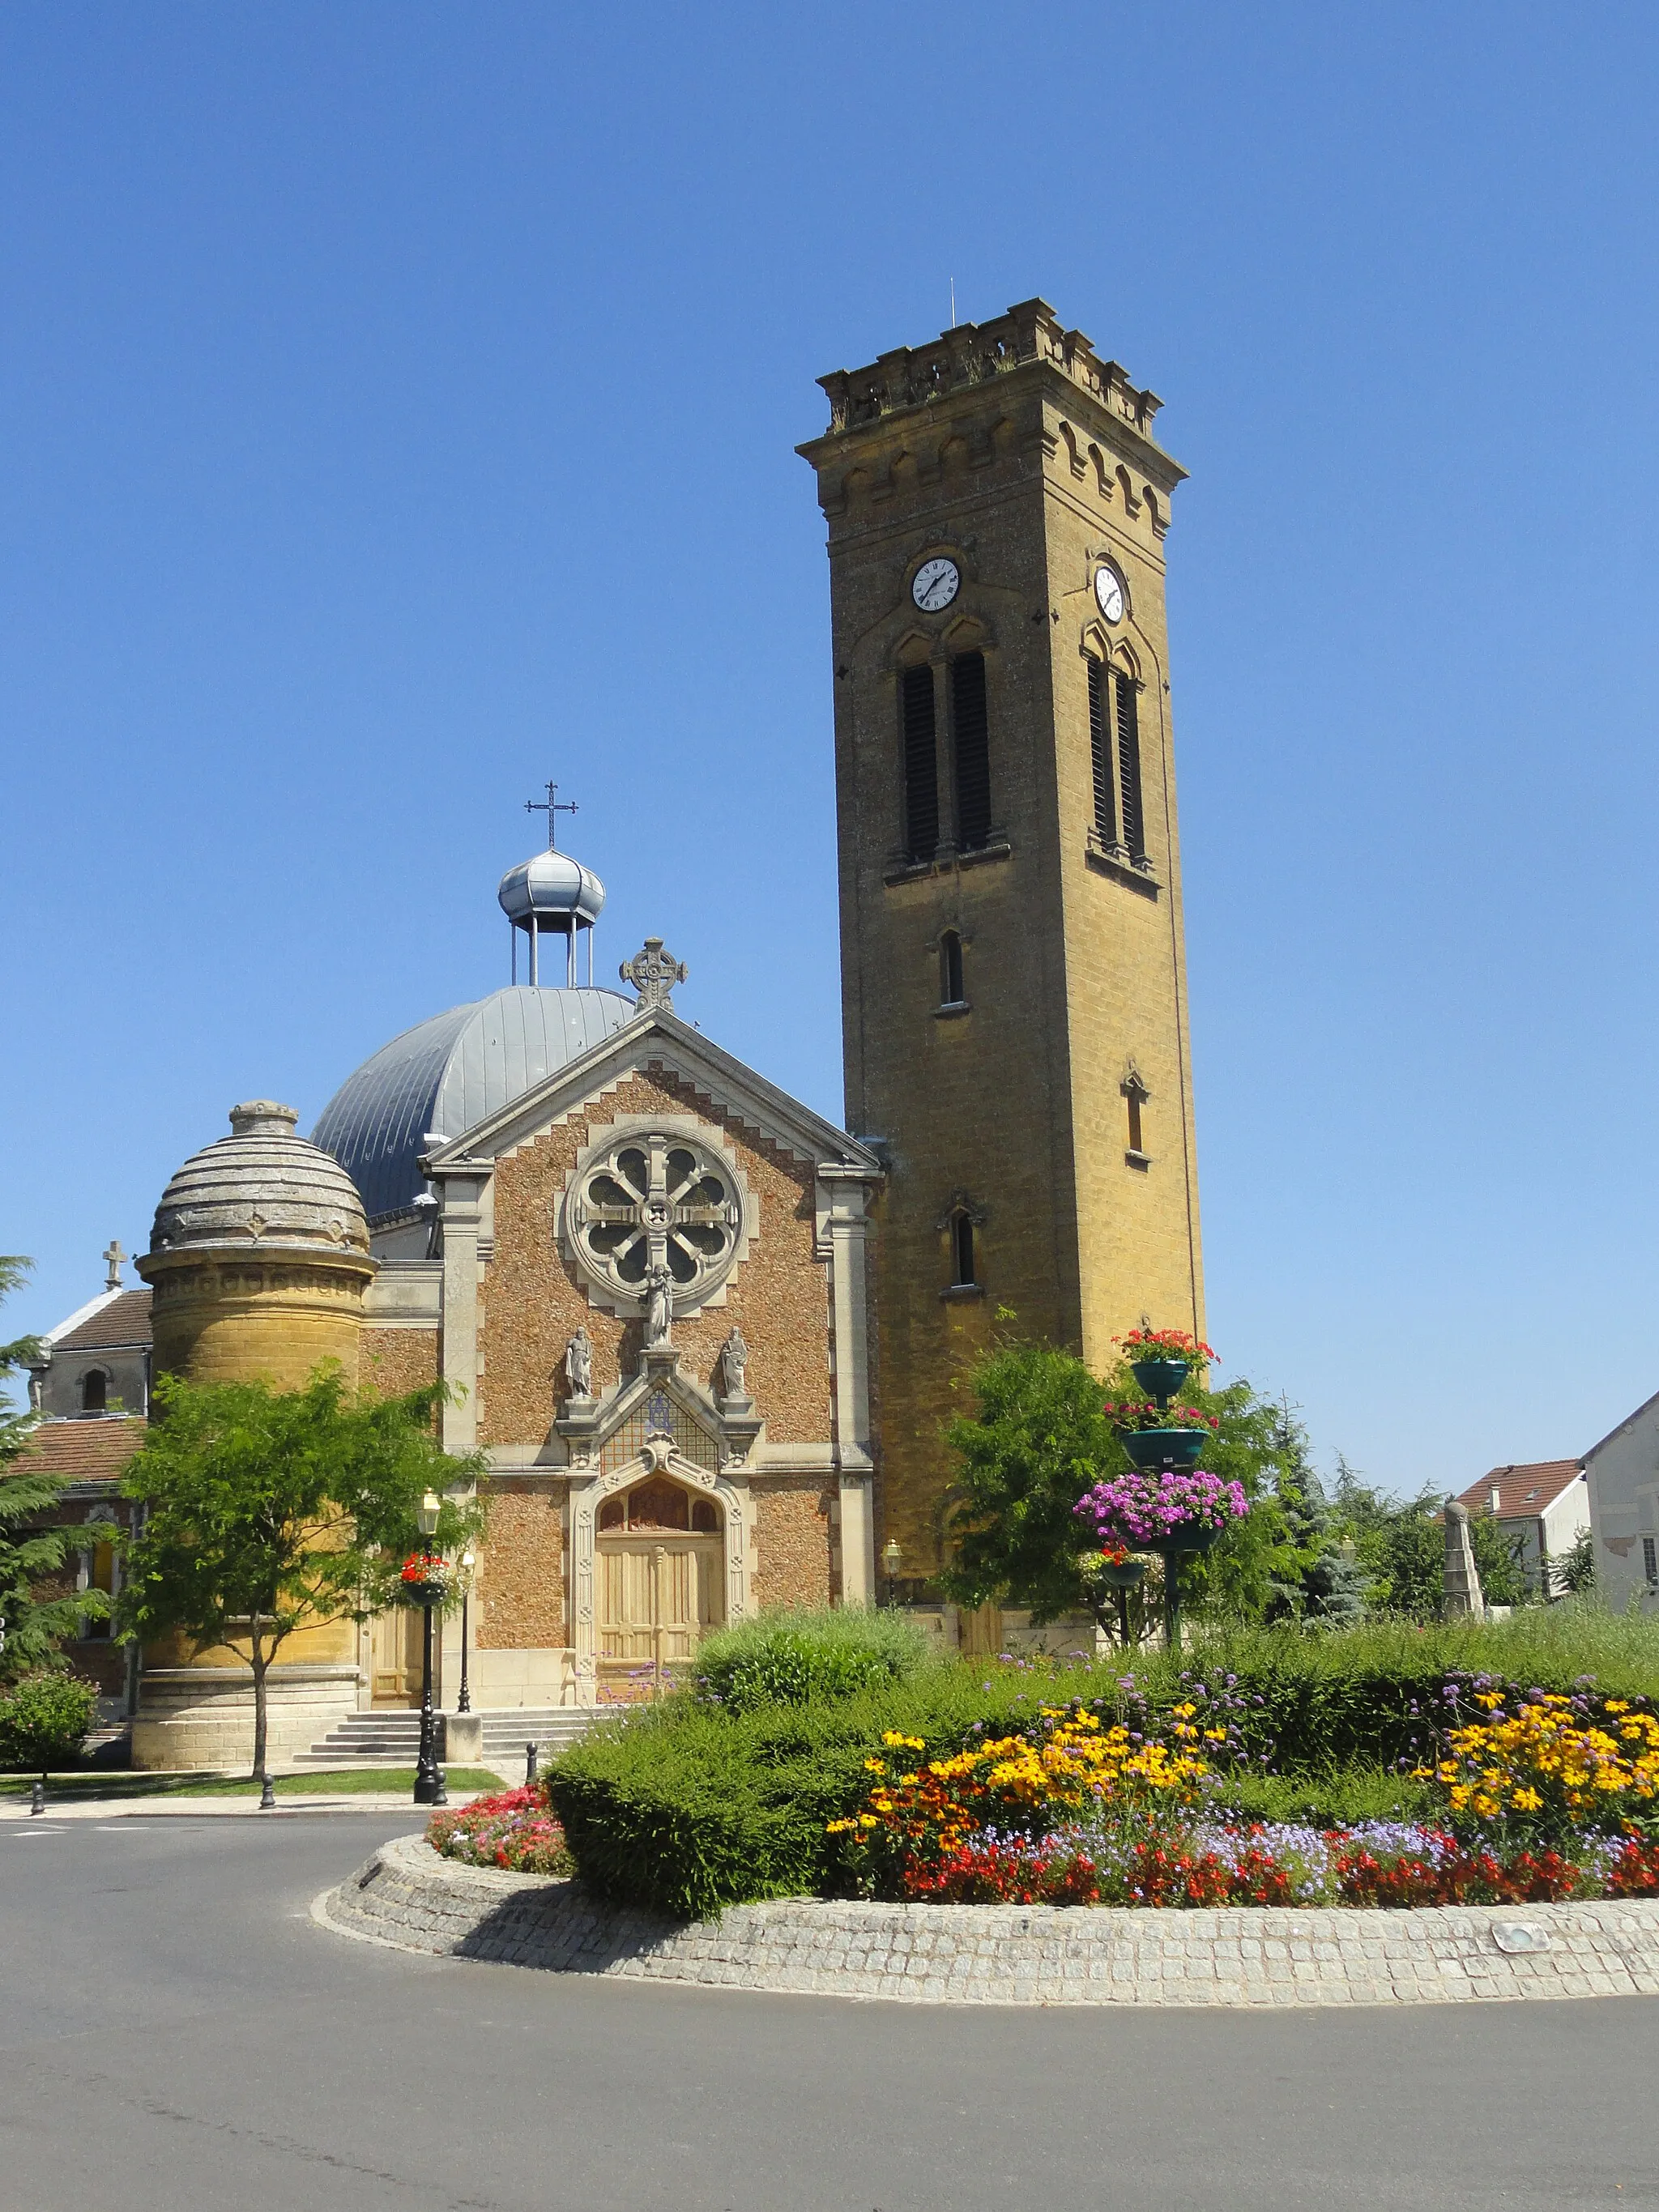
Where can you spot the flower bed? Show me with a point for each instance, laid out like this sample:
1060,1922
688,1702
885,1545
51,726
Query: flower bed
516,1830
1545,1798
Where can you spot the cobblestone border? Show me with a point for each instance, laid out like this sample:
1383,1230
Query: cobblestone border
407,1896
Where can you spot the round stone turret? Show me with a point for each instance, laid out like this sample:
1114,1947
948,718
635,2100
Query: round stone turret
258,1257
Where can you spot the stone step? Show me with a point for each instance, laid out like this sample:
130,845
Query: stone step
391,1738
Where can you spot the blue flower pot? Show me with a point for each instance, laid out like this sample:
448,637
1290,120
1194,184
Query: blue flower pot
1191,1537
1122,1578
1165,1447
1161,1377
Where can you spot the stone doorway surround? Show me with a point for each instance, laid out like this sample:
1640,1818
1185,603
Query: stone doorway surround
728,1427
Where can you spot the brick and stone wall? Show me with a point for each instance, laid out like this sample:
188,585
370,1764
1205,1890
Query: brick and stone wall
396,1360
793,1541
522,1589
532,1302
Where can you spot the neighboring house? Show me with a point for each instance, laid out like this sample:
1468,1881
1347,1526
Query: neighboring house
92,1387
1546,1503
1624,1496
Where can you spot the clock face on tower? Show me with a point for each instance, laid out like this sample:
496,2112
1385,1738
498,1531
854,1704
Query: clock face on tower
1108,593
935,584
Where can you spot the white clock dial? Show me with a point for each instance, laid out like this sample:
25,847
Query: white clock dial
936,583
1108,592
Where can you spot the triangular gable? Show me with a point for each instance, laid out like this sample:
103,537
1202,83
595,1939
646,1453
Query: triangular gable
657,1037
1624,1427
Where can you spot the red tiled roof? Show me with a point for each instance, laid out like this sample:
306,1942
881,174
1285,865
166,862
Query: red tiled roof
1523,1492
124,1320
95,1450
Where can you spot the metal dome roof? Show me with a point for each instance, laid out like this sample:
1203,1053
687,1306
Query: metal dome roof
447,1074
551,884
262,1186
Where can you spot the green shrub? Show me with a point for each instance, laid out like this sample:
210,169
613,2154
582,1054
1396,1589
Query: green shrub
43,1721
795,1653
687,1807
1318,1700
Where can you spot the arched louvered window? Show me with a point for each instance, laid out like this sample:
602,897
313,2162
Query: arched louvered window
951,993
920,763
1128,766
970,728
1100,753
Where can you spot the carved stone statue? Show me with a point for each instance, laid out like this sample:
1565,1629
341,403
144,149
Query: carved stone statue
579,1363
734,1362
658,1305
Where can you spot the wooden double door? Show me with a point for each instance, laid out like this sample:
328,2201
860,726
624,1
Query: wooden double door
660,1592
394,1656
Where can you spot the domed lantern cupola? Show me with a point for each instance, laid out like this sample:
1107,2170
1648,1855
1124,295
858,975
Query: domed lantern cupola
551,895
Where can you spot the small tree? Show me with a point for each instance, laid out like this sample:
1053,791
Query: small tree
1401,1546
1040,1437
32,1624
43,1720
266,1510
1577,1567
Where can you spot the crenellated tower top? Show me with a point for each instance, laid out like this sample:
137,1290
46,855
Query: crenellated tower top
975,353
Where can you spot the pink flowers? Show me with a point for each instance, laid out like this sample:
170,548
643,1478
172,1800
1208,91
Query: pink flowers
1128,1413
1147,1505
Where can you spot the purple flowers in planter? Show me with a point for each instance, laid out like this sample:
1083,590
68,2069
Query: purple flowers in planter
1145,1505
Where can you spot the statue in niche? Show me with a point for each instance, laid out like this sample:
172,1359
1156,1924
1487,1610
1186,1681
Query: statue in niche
658,1305
734,1366
579,1363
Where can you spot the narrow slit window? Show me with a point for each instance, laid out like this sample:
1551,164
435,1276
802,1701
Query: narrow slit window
962,1251
921,764
949,969
1100,755
1128,767
1133,1098
971,723
97,1566
1649,1559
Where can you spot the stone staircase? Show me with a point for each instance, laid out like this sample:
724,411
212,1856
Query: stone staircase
392,1737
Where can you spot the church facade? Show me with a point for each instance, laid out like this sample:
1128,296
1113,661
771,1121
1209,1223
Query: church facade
706,1339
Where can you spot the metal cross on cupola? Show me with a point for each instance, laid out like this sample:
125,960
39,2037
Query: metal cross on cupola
552,807
654,974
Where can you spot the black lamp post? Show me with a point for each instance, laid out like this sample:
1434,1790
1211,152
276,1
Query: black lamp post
429,1775
464,1703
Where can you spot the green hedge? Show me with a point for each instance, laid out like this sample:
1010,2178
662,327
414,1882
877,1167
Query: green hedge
1372,1696
686,1808
794,1653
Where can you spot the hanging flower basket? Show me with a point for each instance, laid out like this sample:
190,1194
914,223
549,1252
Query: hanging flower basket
1180,1509
426,1578
1113,1567
1161,1359
1160,1435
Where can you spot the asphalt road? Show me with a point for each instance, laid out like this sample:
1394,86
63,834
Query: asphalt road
176,2034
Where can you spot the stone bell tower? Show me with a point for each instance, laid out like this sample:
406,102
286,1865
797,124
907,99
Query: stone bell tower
1013,970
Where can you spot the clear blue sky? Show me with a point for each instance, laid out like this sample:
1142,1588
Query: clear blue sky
399,404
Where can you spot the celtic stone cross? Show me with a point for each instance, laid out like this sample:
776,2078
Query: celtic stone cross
654,974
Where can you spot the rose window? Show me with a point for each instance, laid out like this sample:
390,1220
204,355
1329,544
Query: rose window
655,1199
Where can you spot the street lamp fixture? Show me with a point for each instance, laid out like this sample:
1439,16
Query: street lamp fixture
464,1703
892,1557
429,1775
